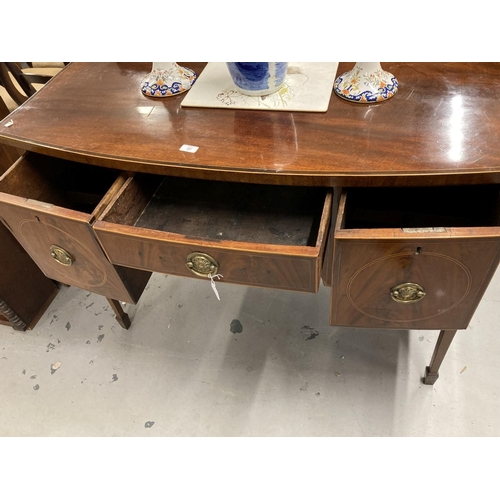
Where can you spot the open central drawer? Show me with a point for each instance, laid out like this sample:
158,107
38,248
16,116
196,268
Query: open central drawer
271,236
417,258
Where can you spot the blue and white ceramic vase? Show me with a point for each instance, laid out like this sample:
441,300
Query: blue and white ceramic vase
258,78
366,83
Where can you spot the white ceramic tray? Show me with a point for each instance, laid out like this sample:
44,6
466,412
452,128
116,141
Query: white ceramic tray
308,87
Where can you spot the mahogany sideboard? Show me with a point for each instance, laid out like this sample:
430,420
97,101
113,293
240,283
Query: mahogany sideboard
393,205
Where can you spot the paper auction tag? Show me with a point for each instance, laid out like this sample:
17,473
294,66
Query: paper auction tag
212,282
188,149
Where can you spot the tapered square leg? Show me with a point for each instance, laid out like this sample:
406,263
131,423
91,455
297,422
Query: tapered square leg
443,343
121,316
429,377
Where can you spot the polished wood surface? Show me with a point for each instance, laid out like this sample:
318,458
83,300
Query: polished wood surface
25,292
440,128
452,276
383,242
39,205
267,236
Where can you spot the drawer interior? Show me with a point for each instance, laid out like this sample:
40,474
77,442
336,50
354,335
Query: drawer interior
67,184
417,207
216,210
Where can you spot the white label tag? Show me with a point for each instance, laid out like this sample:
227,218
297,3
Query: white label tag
188,149
212,282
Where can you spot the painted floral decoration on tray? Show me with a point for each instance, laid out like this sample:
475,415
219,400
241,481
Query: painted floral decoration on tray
382,84
279,99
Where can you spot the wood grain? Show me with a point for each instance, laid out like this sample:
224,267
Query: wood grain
262,237
53,218
369,261
23,287
8,154
440,128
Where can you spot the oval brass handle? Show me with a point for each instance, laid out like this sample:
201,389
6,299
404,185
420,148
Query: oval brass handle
202,264
407,293
61,256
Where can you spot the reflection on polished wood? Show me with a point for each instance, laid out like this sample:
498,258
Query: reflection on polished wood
440,128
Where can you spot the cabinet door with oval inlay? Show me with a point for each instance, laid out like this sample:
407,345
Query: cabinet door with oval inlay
49,206
430,277
65,249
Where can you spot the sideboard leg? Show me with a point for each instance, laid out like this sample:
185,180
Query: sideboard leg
442,345
121,315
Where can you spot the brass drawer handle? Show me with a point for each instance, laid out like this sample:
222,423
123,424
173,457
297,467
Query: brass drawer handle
202,264
407,293
61,256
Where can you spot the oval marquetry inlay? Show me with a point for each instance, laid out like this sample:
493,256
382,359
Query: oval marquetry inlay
86,271
447,283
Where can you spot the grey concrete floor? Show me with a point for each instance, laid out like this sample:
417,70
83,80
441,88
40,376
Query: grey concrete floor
258,363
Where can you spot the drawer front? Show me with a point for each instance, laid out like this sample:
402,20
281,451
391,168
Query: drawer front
268,237
241,266
415,284
49,204
396,266
64,248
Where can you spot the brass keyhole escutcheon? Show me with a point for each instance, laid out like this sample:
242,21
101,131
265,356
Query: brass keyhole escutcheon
61,256
202,264
407,293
